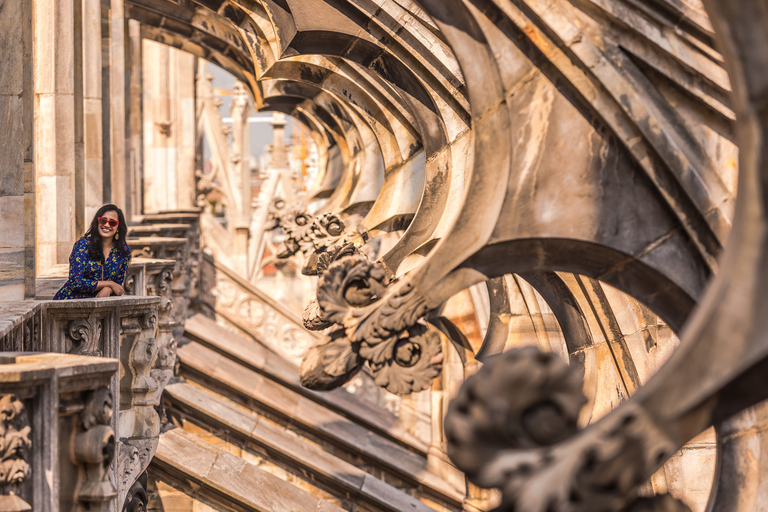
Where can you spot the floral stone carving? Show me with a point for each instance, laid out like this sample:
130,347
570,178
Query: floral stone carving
513,426
380,325
313,236
14,445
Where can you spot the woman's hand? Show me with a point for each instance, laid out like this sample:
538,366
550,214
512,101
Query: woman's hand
116,288
104,292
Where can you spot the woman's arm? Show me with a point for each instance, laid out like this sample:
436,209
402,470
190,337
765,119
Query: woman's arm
119,277
77,265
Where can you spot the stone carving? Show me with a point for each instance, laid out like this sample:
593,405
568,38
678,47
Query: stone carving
139,333
133,459
164,127
312,236
247,311
14,444
130,285
85,335
331,363
23,335
381,327
281,214
513,427
93,448
137,498
159,285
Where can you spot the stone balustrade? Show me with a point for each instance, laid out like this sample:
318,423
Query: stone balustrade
205,301
124,331
53,404
256,315
86,358
167,224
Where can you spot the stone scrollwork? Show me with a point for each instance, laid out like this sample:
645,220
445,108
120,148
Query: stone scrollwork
331,363
85,335
248,310
380,325
93,448
349,283
137,498
14,444
513,426
141,342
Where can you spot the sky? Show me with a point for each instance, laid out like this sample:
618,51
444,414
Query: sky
261,132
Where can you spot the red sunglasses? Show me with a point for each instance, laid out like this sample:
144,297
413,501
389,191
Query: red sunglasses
112,222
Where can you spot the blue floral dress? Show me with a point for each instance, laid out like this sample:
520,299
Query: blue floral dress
85,273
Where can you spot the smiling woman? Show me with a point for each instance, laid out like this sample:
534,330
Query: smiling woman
99,259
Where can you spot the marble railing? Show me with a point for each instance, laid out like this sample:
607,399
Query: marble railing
243,306
53,404
205,301
68,364
123,331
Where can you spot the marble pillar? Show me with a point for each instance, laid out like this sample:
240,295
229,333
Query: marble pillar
133,205
169,126
92,180
17,198
54,133
116,87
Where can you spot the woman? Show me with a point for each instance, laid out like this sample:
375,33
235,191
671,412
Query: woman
99,260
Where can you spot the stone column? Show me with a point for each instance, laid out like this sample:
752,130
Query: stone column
168,128
114,43
54,148
93,182
17,185
133,205
241,156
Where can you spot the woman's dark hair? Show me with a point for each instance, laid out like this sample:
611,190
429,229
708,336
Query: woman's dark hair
95,248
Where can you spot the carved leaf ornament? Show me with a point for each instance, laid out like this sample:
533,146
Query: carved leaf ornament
85,335
14,443
379,326
312,236
513,427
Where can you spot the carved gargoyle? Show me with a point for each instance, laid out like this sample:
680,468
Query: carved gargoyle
379,325
513,426
14,445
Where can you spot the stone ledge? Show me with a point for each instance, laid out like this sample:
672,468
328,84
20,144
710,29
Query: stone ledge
322,466
257,358
307,415
226,480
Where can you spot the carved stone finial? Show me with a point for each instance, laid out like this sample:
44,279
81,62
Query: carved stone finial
93,446
14,444
513,427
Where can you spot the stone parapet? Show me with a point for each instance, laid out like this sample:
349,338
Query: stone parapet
258,316
135,333
51,404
